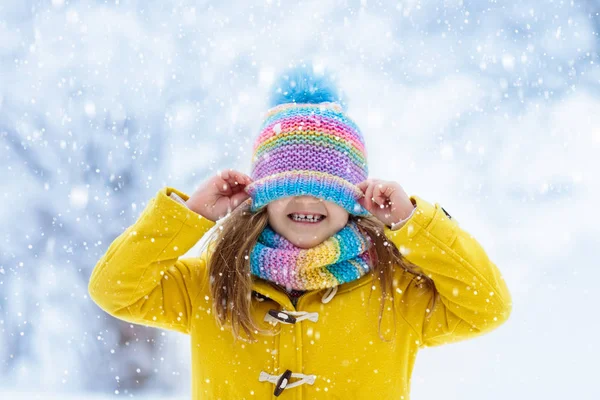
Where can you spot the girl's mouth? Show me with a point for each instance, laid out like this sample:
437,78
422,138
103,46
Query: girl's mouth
306,218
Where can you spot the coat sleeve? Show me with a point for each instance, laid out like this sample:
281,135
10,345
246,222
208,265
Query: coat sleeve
469,296
141,279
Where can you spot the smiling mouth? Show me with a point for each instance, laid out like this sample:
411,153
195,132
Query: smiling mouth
306,218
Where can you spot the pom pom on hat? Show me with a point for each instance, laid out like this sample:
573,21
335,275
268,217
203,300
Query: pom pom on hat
302,85
307,145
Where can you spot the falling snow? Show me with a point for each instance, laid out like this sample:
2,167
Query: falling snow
490,109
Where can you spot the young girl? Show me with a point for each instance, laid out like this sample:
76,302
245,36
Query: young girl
332,281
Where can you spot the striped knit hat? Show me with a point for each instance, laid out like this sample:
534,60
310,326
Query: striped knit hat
308,146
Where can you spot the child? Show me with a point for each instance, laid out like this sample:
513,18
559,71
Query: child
309,241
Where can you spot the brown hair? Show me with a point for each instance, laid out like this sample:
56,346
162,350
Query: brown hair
231,280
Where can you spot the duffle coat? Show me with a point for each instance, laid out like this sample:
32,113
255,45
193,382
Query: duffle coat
328,345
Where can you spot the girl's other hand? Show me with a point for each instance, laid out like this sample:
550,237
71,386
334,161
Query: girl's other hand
219,195
386,200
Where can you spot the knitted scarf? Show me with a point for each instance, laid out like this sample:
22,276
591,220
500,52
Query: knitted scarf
341,258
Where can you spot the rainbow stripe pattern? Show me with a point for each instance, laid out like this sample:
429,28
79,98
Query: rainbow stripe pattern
341,258
308,149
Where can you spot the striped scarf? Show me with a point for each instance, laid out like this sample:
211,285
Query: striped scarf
341,258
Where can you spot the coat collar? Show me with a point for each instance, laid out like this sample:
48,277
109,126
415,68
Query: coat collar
266,289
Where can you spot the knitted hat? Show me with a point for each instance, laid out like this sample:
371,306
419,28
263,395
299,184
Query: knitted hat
307,145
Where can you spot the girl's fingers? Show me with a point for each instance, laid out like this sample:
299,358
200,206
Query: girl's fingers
369,196
243,182
235,178
242,178
230,183
222,186
377,198
229,176
382,193
361,201
220,182
363,185
389,192
239,198
224,174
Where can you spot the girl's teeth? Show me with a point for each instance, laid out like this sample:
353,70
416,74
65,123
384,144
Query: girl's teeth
308,218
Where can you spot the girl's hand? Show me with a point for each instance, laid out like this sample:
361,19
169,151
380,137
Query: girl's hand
220,194
386,200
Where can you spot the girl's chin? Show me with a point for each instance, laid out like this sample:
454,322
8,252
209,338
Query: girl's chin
306,246
305,242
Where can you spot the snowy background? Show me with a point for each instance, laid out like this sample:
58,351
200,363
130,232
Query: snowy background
491,109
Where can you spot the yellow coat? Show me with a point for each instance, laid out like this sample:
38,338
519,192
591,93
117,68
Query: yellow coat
143,280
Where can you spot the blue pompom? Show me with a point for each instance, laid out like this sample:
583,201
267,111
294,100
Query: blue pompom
302,85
